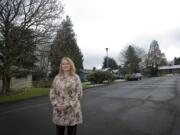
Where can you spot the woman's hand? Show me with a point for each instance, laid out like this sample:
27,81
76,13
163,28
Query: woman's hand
60,106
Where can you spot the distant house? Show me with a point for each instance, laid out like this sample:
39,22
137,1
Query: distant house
106,69
20,80
174,69
84,73
113,71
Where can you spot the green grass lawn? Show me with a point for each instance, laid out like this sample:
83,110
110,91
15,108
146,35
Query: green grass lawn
35,92
86,85
31,92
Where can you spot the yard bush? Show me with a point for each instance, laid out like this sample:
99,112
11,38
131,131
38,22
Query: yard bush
100,77
127,77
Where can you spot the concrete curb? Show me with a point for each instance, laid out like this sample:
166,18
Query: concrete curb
105,84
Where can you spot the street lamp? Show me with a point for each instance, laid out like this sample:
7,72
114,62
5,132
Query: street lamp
107,58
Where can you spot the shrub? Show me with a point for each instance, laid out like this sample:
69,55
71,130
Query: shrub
100,77
127,77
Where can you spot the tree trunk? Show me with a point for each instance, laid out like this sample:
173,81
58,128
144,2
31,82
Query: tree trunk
6,84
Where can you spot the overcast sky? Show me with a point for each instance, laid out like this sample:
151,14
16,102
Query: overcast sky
113,24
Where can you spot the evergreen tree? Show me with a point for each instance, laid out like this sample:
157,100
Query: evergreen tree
65,45
111,63
177,61
24,47
131,60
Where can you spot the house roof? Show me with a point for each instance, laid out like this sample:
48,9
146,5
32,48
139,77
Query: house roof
105,69
85,70
169,67
115,70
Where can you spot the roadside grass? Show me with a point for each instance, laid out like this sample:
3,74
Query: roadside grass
36,92
26,94
30,93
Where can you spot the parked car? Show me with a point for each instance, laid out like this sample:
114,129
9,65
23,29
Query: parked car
136,76
119,76
139,76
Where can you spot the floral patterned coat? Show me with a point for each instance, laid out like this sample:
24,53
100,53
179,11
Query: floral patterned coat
68,91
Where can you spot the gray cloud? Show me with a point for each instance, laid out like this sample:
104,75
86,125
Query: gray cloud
93,60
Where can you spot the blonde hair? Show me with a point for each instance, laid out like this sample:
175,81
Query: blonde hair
72,66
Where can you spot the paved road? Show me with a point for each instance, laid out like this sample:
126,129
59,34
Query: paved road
147,107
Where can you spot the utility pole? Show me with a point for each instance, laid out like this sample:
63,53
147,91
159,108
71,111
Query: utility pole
107,62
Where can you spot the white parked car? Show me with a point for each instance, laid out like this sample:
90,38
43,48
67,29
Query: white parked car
136,76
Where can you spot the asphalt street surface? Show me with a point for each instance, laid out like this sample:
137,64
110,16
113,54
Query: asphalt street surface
146,107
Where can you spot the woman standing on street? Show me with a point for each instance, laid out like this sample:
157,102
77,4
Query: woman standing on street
65,94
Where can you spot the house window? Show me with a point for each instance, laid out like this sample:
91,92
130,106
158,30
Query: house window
21,76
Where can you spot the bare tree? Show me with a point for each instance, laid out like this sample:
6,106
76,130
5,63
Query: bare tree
41,16
155,58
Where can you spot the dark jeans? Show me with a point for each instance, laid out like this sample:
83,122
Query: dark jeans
71,130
